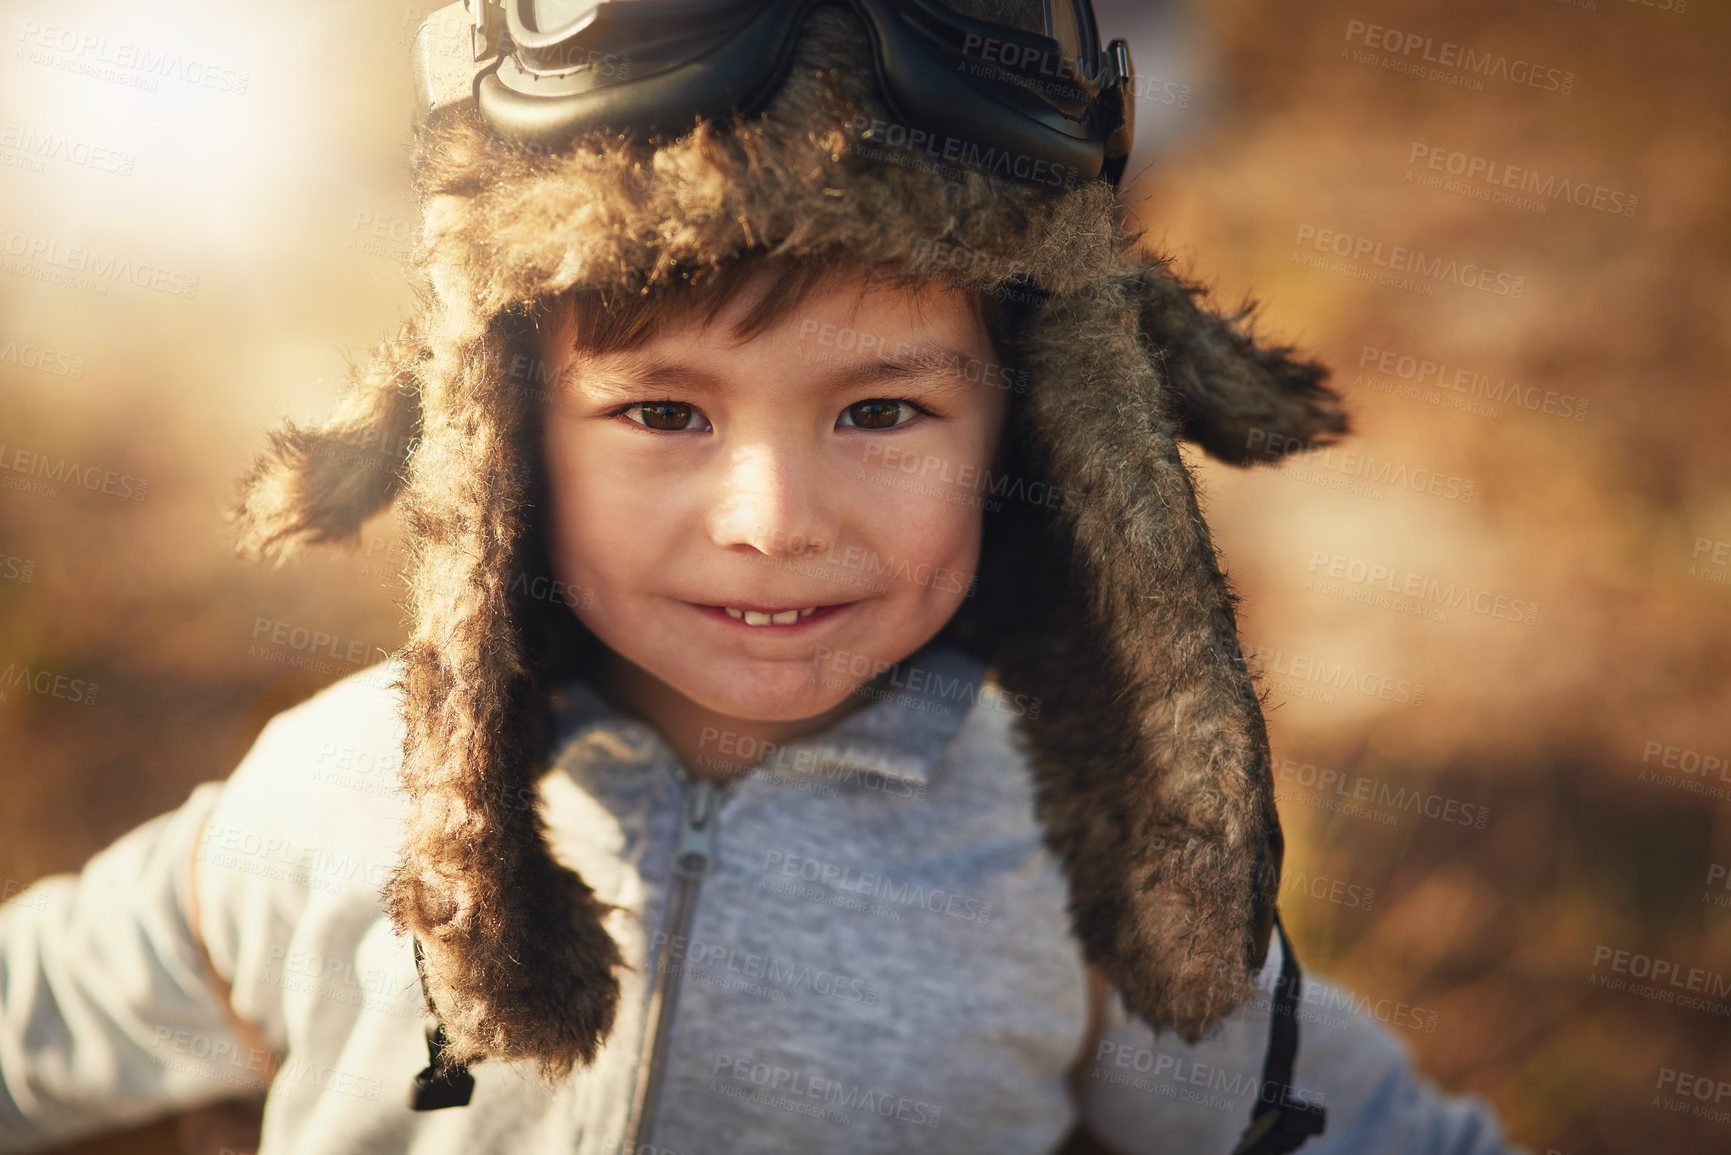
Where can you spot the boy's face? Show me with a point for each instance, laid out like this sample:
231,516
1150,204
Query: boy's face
834,461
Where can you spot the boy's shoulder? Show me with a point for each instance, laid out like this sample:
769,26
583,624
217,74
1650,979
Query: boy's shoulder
985,745
322,774
296,847
349,734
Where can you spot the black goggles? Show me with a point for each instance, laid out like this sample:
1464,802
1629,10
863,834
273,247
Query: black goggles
1017,87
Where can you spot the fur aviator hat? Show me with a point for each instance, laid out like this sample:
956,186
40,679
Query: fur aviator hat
1150,752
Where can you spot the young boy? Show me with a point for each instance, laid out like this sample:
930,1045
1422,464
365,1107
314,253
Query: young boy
822,726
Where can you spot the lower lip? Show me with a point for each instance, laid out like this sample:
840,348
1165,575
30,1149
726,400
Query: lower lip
816,618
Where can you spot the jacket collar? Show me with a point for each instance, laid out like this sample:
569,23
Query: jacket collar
900,734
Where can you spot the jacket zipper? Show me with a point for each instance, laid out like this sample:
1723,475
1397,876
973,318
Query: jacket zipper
693,859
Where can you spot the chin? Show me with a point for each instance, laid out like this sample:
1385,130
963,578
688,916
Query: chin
785,695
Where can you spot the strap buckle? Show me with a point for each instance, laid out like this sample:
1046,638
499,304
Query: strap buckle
1119,102
438,1085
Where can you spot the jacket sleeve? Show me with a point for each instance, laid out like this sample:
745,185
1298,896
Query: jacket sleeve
1145,1094
108,1015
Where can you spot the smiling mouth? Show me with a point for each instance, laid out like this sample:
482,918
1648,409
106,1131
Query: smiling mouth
770,617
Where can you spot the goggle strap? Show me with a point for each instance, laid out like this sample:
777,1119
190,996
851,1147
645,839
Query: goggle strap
450,47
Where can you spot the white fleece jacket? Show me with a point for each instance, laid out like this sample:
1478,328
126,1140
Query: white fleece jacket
881,962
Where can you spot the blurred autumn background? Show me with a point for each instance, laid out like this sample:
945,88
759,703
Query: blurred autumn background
1515,785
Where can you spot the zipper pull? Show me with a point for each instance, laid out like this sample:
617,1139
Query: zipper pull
694,857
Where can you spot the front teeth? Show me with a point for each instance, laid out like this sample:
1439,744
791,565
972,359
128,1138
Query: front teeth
754,618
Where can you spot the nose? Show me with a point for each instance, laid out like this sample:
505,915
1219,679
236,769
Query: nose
772,497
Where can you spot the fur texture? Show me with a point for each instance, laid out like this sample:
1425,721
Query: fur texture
1150,751
318,485
1240,401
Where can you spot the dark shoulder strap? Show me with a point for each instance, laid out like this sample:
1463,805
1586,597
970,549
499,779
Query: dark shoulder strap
1282,1119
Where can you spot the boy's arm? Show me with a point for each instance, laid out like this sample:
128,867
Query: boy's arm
108,1016
1141,1094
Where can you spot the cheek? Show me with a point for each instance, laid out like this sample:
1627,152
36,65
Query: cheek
939,530
594,525
921,506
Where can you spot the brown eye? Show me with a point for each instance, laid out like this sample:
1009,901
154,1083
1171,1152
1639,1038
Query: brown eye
877,413
665,416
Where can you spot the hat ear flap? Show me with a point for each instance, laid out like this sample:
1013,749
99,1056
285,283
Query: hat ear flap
518,962
1241,401
1149,748
320,484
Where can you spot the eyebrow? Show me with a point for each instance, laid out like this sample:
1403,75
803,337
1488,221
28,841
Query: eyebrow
627,374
